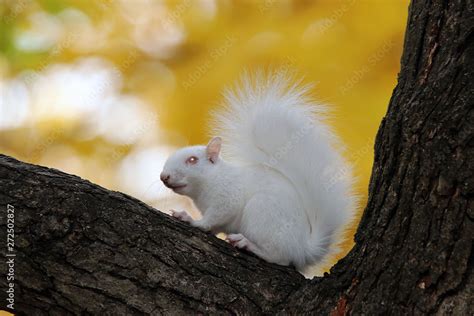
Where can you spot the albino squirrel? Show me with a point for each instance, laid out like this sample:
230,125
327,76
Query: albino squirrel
283,191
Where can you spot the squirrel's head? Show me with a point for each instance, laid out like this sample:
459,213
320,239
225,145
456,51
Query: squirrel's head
185,169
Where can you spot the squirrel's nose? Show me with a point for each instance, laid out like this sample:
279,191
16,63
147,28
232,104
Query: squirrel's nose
164,177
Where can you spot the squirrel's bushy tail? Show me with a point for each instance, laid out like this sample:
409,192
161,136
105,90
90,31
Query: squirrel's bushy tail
270,120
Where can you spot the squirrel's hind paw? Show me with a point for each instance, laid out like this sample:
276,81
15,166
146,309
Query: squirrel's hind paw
239,241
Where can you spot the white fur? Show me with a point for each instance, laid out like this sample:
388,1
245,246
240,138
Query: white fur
283,192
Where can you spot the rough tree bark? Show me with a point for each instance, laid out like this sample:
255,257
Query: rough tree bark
83,249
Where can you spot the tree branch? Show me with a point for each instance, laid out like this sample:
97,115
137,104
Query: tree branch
82,248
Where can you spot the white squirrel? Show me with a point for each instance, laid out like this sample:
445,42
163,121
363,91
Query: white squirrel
284,191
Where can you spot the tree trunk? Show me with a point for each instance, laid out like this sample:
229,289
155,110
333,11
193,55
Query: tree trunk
83,249
413,252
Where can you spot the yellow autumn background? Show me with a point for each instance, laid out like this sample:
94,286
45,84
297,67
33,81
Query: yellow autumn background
107,89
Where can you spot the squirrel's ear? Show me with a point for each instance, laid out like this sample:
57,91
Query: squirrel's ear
213,149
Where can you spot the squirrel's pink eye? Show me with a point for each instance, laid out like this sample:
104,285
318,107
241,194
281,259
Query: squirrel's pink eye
192,160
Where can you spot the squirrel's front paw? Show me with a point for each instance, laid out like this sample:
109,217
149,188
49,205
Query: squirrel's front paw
182,216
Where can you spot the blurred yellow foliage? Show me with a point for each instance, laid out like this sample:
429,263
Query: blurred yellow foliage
106,89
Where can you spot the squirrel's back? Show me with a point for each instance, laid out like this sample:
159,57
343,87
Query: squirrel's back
270,120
